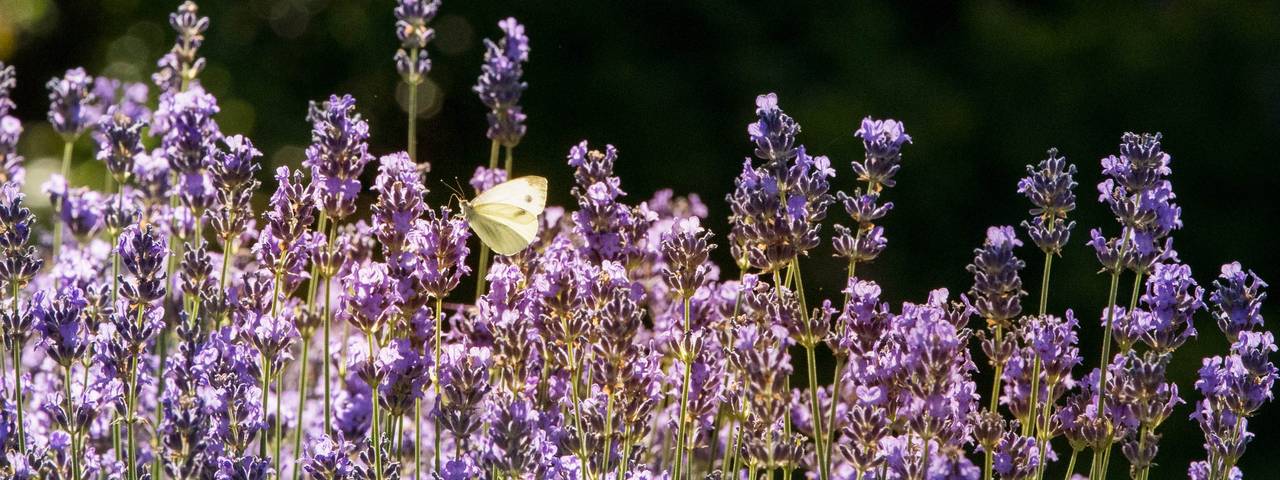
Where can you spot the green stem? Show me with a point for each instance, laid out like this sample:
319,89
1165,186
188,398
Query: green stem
162,345
413,110
435,454
511,158
302,403
67,148
815,409
1071,464
376,436
75,457
684,393
417,438
1106,341
608,433
266,388
17,377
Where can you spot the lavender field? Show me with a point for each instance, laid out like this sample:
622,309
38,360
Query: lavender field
203,311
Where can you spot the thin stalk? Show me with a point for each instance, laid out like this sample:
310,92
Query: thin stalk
511,158
75,457
1106,341
830,437
988,462
266,388
1028,426
377,438
483,271
435,454
608,432
17,378
162,345
326,321
279,430
1071,464
67,148
302,403
417,438
815,408
684,395
413,110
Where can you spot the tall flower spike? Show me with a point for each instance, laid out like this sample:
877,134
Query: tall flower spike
70,98
1237,300
685,251
440,241
1171,298
120,143
8,80
11,169
774,133
412,17
500,85
883,140
1141,198
181,65
338,153
997,289
1049,186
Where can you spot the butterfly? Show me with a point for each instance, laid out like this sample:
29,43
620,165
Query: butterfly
505,217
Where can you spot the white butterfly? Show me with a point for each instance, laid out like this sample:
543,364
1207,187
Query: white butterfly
505,217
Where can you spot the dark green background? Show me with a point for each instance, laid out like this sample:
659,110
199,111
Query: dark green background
984,88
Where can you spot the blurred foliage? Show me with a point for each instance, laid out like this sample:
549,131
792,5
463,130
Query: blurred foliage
984,88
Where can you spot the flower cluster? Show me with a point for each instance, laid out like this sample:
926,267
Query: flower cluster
324,336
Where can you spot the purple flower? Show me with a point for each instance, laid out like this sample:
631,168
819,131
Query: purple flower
366,295
774,133
8,80
11,169
143,253
464,379
181,64
64,335
190,133
1142,200
1049,186
338,153
997,289
400,192
500,85
120,142
412,17
601,219
70,98
1237,300
485,178
440,243
404,376
1017,457
1171,298
685,251
883,140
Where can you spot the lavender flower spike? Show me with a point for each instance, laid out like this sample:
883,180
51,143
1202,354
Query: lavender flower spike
500,85
883,140
997,289
338,153
1049,187
412,17
70,98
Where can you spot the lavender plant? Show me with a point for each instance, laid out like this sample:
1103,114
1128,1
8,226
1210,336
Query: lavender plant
612,347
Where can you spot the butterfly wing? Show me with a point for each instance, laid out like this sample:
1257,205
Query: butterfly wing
527,193
506,229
